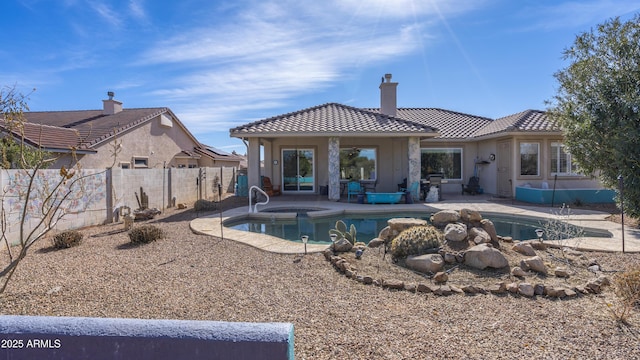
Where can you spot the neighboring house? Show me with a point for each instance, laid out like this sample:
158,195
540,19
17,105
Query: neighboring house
319,148
144,138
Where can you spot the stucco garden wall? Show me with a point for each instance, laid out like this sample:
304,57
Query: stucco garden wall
97,198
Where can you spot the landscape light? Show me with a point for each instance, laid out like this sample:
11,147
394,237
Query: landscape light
305,238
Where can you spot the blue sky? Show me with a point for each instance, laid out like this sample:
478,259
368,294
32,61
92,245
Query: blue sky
222,64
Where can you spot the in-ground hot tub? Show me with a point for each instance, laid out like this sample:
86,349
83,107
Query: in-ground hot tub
567,196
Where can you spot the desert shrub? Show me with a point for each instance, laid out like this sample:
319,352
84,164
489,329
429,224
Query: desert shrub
145,234
626,285
416,240
67,239
204,205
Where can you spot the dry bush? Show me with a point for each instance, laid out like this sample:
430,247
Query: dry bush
67,239
626,286
145,234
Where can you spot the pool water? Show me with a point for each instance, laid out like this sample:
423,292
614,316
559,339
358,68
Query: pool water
369,226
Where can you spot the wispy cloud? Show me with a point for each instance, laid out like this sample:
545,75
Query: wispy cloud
107,13
275,51
578,13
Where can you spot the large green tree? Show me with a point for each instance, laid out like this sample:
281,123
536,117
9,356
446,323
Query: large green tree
598,105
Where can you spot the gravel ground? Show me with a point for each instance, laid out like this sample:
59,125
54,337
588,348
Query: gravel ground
189,276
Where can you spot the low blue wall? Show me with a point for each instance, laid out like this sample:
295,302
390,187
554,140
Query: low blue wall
567,196
43,337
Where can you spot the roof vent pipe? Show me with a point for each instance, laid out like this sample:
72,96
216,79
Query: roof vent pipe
388,96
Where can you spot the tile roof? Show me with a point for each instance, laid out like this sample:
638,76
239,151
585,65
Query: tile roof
93,126
450,124
47,137
332,119
525,121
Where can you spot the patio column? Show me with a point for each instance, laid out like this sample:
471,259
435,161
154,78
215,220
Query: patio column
414,163
253,162
334,168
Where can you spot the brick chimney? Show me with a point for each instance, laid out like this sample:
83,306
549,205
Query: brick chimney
388,98
111,106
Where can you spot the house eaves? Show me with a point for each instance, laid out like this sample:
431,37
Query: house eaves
528,122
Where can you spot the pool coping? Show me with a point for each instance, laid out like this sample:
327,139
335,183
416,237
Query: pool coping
211,225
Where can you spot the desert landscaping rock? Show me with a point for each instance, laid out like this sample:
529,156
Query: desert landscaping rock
469,215
440,277
488,226
517,271
561,272
444,217
479,236
483,256
376,243
534,264
524,249
526,289
455,232
342,245
429,263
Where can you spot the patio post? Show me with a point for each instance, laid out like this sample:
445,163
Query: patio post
334,168
253,163
414,163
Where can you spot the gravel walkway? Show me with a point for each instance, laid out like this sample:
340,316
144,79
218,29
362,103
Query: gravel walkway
189,276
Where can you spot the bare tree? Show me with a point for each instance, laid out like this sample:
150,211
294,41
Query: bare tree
39,199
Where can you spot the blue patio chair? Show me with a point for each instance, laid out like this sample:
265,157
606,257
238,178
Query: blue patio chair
353,187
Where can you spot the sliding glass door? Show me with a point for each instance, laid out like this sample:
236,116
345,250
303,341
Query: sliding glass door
298,170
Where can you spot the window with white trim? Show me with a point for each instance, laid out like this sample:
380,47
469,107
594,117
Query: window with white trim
561,162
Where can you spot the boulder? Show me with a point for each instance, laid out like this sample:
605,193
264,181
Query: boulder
455,232
469,215
482,256
535,264
393,284
342,245
479,236
385,234
450,258
538,245
499,288
429,263
443,290
488,226
376,242
517,271
524,249
526,289
440,277
444,217
561,272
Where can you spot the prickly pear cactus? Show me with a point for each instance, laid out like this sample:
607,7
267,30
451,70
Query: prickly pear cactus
417,240
341,232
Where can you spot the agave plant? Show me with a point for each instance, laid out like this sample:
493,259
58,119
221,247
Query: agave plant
341,232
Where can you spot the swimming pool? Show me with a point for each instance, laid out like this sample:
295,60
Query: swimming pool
292,225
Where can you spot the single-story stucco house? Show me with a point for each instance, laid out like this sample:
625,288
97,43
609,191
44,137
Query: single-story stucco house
145,138
316,150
